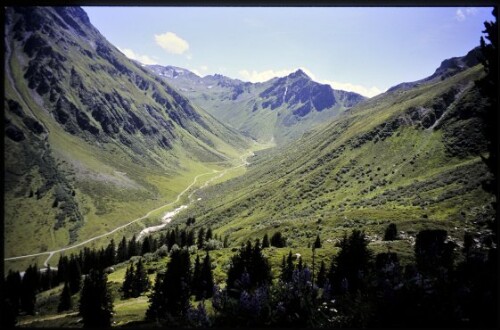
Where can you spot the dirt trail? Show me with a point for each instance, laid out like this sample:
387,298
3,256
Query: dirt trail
171,214
51,253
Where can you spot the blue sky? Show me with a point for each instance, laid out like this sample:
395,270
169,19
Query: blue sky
366,50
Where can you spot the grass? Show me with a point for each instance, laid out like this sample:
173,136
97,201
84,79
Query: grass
113,183
382,181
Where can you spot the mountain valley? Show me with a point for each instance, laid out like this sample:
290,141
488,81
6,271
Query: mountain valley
248,203
279,110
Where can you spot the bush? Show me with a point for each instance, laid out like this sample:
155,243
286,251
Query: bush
278,240
391,233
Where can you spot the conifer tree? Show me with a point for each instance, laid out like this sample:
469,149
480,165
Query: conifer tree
74,275
62,269
201,238
110,254
65,299
252,262
300,265
190,238
207,279
146,245
29,289
265,241
183,238
209,234
196,279
140,281
391,232
122,251
287,269
170,297
277,240
317,242
96,305
321,275
350,263
12,294
128,281
133,250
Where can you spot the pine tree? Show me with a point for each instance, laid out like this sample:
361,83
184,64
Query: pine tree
12,295
350,263
321,275
432,253
29,288
391,232
146,245
171,292
74,275
122,251
287,268
317,242
190,238
208,235
171,239
299,265
201,238
140,281
96,305
46,279
183,238
110,254
128,282
157,304
65,299
252,262
265,241
207,279
62,269
133,250
277,240
196,280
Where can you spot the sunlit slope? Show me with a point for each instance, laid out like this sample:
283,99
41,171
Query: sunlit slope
92,139
411,157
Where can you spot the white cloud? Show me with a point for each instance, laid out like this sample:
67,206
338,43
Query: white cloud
144,59
255,76
471,11
200,71
461,14
360,89
172,43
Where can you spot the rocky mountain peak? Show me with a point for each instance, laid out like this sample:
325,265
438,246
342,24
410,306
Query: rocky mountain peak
299,74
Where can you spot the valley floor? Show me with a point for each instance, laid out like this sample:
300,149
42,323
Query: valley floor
199,182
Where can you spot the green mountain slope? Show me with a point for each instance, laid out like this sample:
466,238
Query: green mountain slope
409,156
92,139
278,110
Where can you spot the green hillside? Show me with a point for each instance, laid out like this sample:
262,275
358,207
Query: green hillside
410,157
92,139
264,182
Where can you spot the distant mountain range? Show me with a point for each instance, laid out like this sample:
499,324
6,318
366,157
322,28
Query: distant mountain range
280,109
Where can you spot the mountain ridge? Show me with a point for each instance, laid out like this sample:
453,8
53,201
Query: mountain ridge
86,129
250,107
